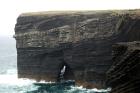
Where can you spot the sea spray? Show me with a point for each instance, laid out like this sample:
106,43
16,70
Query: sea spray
10,83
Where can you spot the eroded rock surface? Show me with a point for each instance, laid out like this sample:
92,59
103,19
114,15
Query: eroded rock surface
124,74
80,40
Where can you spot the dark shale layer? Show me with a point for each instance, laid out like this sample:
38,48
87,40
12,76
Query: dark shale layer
80,40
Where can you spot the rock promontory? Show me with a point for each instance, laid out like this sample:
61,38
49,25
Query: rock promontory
80,40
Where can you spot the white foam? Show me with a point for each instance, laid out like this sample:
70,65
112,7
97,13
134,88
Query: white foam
14,80
11,79
43,81
10,83
84,90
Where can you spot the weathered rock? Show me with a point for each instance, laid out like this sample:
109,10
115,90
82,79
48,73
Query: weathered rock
124,74
80,40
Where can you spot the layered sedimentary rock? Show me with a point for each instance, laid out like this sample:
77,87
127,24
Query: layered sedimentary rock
124,74
81,41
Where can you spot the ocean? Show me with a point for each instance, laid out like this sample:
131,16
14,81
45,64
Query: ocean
9,83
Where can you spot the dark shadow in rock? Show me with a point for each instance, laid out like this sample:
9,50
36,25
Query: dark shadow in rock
67,74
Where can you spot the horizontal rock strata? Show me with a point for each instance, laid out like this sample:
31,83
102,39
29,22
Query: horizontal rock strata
82,41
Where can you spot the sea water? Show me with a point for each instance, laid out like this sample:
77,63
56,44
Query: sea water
9,83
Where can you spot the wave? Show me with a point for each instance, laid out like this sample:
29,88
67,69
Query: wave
11,78
10,83
84,90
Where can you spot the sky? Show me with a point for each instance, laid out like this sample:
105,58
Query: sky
11,9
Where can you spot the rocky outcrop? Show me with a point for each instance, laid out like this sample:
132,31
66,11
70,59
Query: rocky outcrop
81,41
124,74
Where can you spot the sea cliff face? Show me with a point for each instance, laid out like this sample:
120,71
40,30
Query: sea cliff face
124,74
81,41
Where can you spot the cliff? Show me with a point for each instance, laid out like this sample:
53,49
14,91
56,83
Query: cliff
80,40
124,75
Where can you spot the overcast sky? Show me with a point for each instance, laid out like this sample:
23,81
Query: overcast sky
10,9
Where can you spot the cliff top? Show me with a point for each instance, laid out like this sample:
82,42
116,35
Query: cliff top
53,13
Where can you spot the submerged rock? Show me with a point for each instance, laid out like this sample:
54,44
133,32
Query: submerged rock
81,40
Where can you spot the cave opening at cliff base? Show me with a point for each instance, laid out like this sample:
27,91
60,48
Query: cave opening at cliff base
65,72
